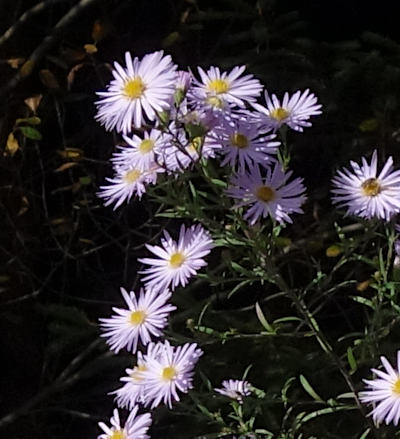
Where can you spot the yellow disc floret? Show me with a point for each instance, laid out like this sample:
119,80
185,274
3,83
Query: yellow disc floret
239,140
146,146
371,187
118,434
218,86
265,193
134,88
137,317
176,260
396,387
215,101
279,114
132,175
168,373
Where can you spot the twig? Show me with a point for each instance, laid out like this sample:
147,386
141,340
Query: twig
27,68
40,7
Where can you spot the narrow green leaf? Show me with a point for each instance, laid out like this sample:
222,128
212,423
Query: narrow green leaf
30,133
307,387
263,320
351,360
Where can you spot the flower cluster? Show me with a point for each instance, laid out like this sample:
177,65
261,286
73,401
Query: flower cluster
170,119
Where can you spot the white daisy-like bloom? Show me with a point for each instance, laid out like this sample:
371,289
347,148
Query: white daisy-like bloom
243,145
140,152
366,194
132,392
220,90
294,111
270,195
384,393
235,389
127,181
144,318
135,427
177,261
137,92
169,372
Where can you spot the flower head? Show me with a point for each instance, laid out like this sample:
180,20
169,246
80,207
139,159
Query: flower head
169,371
144,318
364,193
384,393
219,90
137,92
127,181
178,260
269,195
135,426
294,111
235,389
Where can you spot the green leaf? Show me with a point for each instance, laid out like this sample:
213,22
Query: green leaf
29,120
351,360
307,387
30,133
263,320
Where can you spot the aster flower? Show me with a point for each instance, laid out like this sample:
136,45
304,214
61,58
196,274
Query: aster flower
294,111
137,92
224,89
135,426
145,317
235,389
132,392
126,182
242,144
364,193
269,195
178,260
169,372
384,393
140,152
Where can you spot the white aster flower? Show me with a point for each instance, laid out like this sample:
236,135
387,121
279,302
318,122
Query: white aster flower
126,182
135,426
220,90
294,111
178,260
235,389
137,92
364,193
140,152
169,372
144,318
243,144
384,393
269,195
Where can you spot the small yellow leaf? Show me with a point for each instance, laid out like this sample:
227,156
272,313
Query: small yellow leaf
65,166
333,251
33,102
15,62
27,68
362,286
71,153
368,125
12,145
90,48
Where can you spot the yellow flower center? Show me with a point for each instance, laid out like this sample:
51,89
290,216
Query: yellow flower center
279,114
176,260
265,193
371,187
239,140
118,434
137,317
194,145
168,373
132,175
134,88
396,387
218,86
146,146
214,101
136,373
